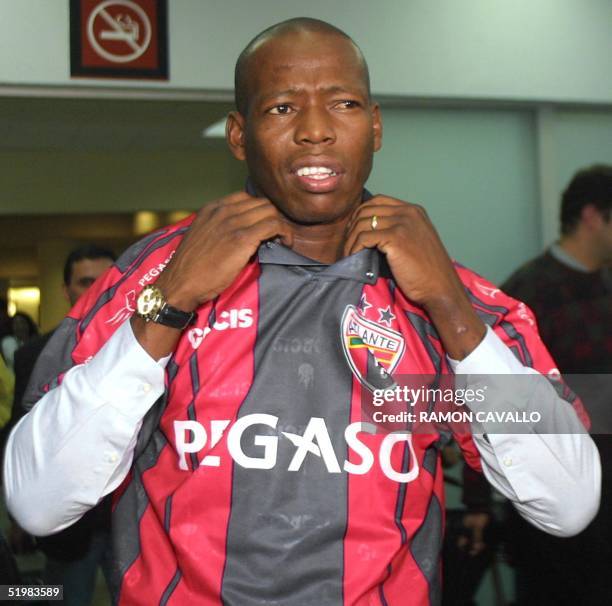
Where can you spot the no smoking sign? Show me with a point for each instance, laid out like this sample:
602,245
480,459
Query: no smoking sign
119,38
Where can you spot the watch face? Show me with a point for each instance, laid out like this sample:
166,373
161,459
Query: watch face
149,301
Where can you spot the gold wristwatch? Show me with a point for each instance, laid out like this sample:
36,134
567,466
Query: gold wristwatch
151,306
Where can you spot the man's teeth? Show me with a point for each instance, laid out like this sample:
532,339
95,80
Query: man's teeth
316,172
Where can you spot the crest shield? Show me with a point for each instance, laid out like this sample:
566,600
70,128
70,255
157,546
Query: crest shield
372,351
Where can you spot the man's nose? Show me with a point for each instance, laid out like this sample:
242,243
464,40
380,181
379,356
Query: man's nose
315,126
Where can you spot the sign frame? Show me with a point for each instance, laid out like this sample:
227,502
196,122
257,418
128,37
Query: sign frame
80,70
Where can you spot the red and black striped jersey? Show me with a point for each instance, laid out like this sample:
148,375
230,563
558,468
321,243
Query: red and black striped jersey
251,481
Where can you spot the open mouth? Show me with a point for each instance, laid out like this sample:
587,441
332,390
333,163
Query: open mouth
316,172
318,179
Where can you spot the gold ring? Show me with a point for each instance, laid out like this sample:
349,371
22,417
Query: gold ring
374,221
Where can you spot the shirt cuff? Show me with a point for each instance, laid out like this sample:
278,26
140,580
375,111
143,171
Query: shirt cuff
490,357
122,373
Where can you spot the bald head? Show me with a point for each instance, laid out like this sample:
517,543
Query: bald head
299,25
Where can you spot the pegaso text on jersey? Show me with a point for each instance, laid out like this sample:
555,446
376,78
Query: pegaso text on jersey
192,437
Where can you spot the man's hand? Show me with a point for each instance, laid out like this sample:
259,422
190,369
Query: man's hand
218,245
220,241
420,265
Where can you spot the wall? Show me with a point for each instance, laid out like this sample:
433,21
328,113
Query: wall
582,138
480,173
87,182
568,140
475,172
544,50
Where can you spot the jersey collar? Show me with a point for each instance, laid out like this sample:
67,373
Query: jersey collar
364,266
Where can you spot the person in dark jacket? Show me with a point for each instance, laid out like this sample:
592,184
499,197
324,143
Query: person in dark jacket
568,289
74,554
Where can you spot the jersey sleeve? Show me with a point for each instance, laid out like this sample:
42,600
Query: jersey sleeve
109,302
550,470
515,325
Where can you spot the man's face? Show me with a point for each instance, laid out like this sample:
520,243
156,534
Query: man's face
310,130
84,274
596,227
606,240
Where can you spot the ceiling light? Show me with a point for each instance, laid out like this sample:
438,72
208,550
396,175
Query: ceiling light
215,131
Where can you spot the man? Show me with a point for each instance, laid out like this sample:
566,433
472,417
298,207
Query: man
81,269
7,385
566,286
248,478
566,289
74,554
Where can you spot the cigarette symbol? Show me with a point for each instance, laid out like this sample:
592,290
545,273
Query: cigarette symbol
133,29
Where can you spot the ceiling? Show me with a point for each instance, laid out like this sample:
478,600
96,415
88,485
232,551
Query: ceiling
106,124
30,124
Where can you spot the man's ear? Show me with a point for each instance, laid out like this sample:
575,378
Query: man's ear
234,134
591,216
377,126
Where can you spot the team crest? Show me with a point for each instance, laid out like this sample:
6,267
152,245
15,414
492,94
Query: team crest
372,350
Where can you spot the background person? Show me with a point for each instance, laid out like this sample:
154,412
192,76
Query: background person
567,289
82,268
567,286
73,555
22,330
7,388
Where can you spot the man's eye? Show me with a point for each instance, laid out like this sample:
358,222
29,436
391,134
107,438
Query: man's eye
347,104
280,109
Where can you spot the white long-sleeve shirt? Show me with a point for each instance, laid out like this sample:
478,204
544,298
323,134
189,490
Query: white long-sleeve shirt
76,445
